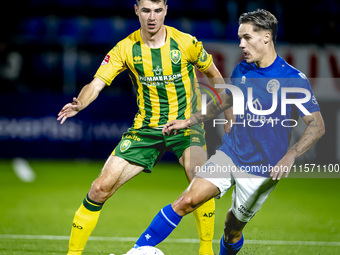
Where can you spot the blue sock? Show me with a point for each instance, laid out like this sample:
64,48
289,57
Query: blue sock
231,249
160,227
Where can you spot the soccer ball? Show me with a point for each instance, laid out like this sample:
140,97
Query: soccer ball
147,250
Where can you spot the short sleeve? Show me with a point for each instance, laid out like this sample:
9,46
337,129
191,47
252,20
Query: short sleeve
312,105
112,65
198,56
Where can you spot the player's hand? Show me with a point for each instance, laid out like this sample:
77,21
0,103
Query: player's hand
283,166
174,126
230,117
227,126
69,110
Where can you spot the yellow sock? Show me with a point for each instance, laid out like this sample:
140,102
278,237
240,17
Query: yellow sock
205,219
84,222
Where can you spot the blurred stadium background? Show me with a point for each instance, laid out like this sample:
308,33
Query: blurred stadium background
50,49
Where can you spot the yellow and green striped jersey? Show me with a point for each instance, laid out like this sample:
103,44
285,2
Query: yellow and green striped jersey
163,77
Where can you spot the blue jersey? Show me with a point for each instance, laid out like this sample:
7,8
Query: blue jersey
257,142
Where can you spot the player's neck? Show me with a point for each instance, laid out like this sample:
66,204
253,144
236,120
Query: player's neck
267,59
156,40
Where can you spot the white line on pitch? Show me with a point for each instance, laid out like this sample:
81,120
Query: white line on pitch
170,240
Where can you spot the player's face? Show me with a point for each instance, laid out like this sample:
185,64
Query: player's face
151,15
252,43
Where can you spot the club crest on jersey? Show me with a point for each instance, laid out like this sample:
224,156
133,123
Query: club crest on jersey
204,56
106,60
273,86
125,145
175,56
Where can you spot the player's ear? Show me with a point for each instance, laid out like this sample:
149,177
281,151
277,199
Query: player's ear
267,37
136,9
166,10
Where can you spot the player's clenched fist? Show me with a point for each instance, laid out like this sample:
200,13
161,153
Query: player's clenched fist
69,110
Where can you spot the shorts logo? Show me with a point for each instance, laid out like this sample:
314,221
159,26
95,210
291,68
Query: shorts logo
273,86
187,132
208,167
175,56
195,139
191,132
106,60
125,145
132,137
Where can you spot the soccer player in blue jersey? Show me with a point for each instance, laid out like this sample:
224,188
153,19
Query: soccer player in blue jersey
254,155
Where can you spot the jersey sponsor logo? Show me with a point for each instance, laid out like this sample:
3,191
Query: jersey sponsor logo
106,60
256,104
273,86
158,71
175,56
125,145
160,80
137,60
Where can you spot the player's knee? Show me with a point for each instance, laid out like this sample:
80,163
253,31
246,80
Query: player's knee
101,192
185,205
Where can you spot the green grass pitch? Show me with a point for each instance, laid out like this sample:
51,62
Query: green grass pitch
33,214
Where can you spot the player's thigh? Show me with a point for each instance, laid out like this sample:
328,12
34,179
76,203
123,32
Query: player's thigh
143,147
198,192
190,148
218,170
192,158
114,174
249,195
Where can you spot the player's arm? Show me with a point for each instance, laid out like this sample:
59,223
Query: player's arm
197,118
314,131
86,96
215,77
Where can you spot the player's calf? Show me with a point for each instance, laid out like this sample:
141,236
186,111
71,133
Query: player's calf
233,228
161,226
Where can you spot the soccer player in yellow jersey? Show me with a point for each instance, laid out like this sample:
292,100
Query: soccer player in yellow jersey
161,63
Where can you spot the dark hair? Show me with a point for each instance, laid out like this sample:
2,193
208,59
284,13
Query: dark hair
156,1
261,20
